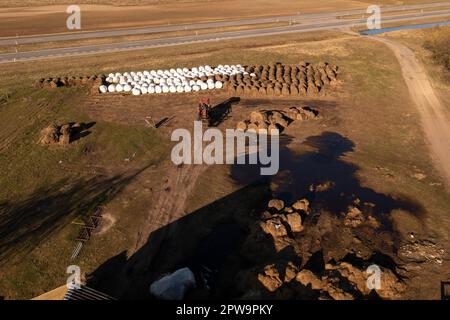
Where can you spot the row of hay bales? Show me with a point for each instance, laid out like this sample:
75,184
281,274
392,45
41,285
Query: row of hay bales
279,79
276,119
69,81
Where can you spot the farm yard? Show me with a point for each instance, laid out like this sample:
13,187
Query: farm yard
356,184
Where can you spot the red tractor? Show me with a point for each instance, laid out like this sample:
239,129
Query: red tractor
203,110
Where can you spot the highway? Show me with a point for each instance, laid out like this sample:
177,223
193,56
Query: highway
205,25
308,23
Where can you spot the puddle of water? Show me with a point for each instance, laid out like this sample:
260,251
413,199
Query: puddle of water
413,27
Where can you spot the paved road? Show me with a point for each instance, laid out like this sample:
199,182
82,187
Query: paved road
205,25
143,44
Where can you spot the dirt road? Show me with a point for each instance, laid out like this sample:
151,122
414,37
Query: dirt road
435,118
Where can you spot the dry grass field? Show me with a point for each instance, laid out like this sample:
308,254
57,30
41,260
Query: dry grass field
43,189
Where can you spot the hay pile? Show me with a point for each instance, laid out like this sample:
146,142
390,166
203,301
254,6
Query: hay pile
283,80
63,135
260,121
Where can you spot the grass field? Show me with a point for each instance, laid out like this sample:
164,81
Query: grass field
372,109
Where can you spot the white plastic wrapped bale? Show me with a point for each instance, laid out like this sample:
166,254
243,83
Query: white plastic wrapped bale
165,89
111,88
180,89
195,88
151,90
211,85
119,88
103,89
144,90
136,92
203,86
218,85
126,88
158,89
172,89
187,88
173,286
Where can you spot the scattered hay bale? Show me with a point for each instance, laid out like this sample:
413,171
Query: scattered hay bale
276,204
257,117
49,135
262,127
272,128
241,125
252,127
309,113
64,137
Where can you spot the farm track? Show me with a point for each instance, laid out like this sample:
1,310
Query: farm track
435,118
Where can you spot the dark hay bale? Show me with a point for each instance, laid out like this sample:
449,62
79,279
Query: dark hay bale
294,89
312,89
285,91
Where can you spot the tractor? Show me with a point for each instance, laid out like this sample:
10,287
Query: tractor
204,110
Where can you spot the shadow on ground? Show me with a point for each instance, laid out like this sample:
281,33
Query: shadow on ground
216,237
25,224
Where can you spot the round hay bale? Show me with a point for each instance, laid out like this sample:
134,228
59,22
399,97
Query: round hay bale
324,77
292,113
262,127
285,91
308,113
252,127
330,73
257,117
294,89
302,90
262,90
270,90
254,91
312,89
64,137
239,89
277,91
272,129
49,135
241,125
281,123
318,83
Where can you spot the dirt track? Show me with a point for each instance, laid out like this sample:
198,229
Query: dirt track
435,119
